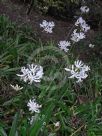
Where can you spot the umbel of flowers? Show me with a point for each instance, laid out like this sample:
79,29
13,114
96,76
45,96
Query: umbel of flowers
31,73
34,106
78,71
47,26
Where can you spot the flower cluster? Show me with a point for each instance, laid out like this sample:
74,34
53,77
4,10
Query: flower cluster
63,45
76,37
34,106
33,73
82,23
78,70
47,26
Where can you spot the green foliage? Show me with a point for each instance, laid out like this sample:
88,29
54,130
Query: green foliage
59,8
13,130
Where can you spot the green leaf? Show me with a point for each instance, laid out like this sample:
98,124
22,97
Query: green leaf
14,126
36,127
2,132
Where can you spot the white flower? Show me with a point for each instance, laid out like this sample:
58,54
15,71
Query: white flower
48,26
81,22
84,9
63,45
72,71
33,73
57,124
33,106
76,37
78,64
80,76
91,45
78,71
16,87
85,27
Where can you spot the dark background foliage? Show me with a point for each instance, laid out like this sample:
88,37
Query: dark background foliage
67,9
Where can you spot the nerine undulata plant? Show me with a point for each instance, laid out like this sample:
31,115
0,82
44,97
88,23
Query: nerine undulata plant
78,71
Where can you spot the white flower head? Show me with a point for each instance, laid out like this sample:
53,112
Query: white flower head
34,106
57,124
63,45
47,26
76,37
79,21
82,23
84,9
33,73
91,45
16,87
78,71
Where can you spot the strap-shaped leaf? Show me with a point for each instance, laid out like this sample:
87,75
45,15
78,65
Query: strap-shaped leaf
2,132
14,125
